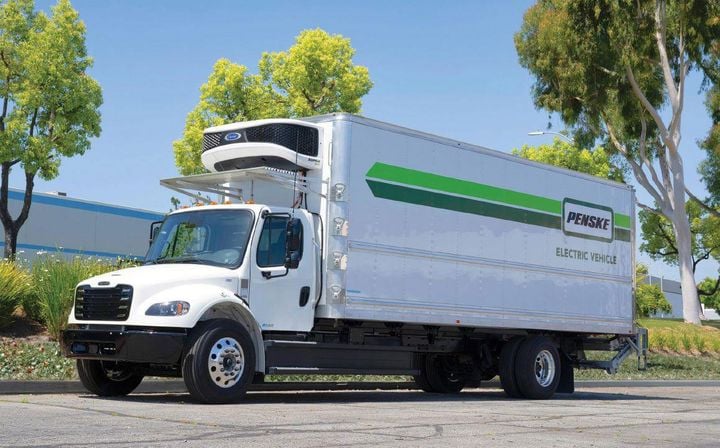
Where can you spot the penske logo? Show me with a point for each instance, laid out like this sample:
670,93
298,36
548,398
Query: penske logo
586,220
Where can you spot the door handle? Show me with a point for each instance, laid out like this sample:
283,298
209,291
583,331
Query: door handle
304,295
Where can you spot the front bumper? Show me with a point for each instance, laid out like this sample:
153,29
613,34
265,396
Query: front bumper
136,345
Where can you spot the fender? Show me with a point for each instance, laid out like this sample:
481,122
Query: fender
235,309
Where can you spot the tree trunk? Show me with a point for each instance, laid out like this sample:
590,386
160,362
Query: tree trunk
11,235
681,225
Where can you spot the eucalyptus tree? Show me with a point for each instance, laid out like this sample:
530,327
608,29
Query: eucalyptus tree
617,70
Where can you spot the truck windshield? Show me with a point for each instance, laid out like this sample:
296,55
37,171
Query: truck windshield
213,237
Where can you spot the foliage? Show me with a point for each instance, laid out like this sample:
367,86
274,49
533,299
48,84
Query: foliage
49,103
649,299
596,162
54,281
712,288
25,361
609,69
15,286
316,75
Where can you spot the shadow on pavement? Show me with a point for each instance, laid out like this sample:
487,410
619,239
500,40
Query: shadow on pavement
344,397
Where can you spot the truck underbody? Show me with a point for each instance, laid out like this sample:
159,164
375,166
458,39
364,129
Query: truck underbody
465,356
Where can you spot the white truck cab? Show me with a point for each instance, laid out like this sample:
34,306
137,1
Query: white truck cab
340,244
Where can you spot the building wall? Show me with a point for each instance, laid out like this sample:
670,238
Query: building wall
673,293
78,227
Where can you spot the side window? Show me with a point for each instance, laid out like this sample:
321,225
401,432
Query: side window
271,247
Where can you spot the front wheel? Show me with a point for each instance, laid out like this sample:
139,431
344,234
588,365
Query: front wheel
219,364
107,379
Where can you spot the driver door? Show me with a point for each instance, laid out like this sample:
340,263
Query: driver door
283,299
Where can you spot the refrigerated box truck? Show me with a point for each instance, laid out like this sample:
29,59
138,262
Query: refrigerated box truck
343,245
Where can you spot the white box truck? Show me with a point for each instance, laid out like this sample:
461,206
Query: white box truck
344,245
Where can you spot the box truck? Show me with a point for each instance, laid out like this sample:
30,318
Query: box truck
343,245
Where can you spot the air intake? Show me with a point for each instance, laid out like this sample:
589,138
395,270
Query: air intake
298,138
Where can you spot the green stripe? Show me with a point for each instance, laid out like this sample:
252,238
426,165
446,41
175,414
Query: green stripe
466,205
622,221
622,234
447,184
460,204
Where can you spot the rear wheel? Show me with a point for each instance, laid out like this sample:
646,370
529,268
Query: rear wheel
439,374
107,379
220,362
508,380
537,368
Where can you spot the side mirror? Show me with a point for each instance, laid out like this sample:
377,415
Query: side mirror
293,243
292,260
294,235
154,230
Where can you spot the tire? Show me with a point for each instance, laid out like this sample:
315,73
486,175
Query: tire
107,379
219,363
537,368
421,378
439,378
506,370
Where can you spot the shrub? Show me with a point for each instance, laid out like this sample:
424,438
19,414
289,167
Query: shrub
649,300
14,289
54,280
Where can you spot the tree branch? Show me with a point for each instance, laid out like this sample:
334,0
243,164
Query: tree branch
637,169
667,238
702,292
644,158
646,103
662,49
27,200
702,204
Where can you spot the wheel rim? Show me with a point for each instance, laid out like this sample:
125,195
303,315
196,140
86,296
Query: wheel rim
115,372
544,368
226,362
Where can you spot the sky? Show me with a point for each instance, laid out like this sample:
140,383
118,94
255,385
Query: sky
450,70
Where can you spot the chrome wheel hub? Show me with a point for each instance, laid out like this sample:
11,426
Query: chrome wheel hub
226,362
544,368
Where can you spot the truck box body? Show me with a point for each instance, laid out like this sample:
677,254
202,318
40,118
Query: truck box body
441,232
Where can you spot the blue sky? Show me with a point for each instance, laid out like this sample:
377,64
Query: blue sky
449,70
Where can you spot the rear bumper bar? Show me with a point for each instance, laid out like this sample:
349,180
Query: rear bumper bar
153,346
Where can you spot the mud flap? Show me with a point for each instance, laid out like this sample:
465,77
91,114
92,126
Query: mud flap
567,375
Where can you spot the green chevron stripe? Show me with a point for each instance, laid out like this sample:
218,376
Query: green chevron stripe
407,176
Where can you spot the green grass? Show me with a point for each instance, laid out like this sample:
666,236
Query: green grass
660,367
675,336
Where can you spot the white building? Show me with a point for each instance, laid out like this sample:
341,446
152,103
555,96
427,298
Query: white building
78,227
673,294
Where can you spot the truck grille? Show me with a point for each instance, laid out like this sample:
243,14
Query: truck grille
302,139
103,303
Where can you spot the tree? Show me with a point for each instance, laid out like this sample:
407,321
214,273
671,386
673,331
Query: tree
617,71
596,162
315,76
649,299
660,242
49,103
712,299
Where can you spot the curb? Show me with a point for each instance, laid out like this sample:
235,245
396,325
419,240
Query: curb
177,386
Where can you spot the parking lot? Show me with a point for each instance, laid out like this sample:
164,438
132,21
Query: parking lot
648,416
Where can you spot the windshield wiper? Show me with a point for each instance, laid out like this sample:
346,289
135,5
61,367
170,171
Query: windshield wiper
177,260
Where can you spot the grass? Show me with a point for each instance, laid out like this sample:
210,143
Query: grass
677,337
15,287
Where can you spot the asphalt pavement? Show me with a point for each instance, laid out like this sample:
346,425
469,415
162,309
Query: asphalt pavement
608,416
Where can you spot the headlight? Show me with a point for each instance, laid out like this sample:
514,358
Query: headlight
173,308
